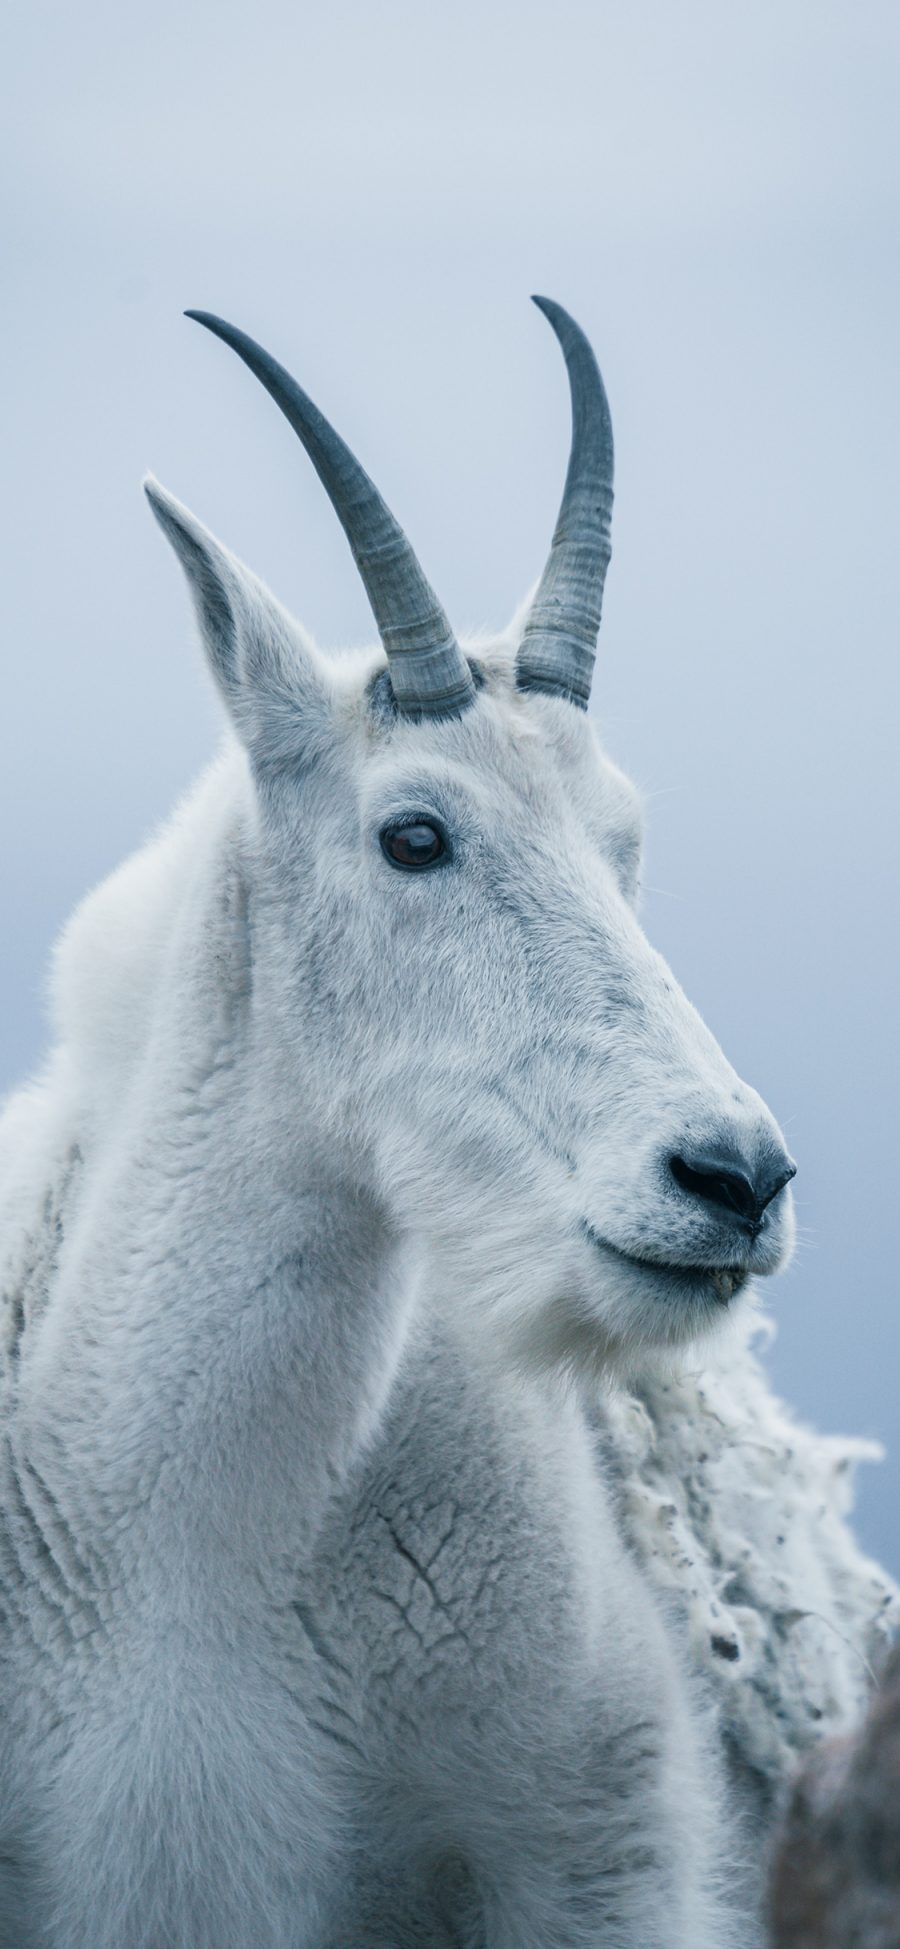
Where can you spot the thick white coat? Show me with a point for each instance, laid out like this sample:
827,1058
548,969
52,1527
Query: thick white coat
364,1579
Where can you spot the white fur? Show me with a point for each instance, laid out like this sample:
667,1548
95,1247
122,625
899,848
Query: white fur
357,1547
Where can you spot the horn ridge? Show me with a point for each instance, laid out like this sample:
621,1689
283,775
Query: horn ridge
559,642
429,674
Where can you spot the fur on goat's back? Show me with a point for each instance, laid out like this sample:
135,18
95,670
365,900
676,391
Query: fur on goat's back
738,1515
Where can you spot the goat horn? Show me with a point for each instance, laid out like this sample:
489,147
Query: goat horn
429,674
559,643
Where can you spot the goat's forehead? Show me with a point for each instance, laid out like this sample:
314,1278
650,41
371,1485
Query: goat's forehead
510,738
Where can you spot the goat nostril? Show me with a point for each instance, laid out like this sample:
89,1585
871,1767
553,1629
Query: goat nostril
774,1180
719,1177
716,1180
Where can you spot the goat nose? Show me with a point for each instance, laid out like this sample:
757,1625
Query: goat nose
723,1177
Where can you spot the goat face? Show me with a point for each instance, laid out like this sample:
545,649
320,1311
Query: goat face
542,1100
458,987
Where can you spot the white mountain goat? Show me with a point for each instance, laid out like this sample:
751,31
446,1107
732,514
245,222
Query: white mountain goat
364,1502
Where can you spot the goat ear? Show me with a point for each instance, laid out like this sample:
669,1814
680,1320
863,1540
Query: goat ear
274,683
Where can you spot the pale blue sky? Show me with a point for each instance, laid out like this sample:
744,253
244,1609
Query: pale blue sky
374,192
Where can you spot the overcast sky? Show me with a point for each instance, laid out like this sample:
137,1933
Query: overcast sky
374,191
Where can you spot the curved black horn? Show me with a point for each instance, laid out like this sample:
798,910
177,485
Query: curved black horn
559,643
429,674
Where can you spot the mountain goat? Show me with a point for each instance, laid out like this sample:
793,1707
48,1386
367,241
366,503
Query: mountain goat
359,1572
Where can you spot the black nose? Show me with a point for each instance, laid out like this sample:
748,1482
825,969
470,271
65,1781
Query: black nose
722,1177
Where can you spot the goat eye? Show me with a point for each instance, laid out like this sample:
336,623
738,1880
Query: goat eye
414,845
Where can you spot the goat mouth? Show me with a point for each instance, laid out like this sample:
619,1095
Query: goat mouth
721,1283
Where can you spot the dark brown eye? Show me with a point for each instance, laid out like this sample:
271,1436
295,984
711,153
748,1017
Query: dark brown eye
414,845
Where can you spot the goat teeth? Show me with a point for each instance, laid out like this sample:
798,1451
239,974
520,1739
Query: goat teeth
723,1285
